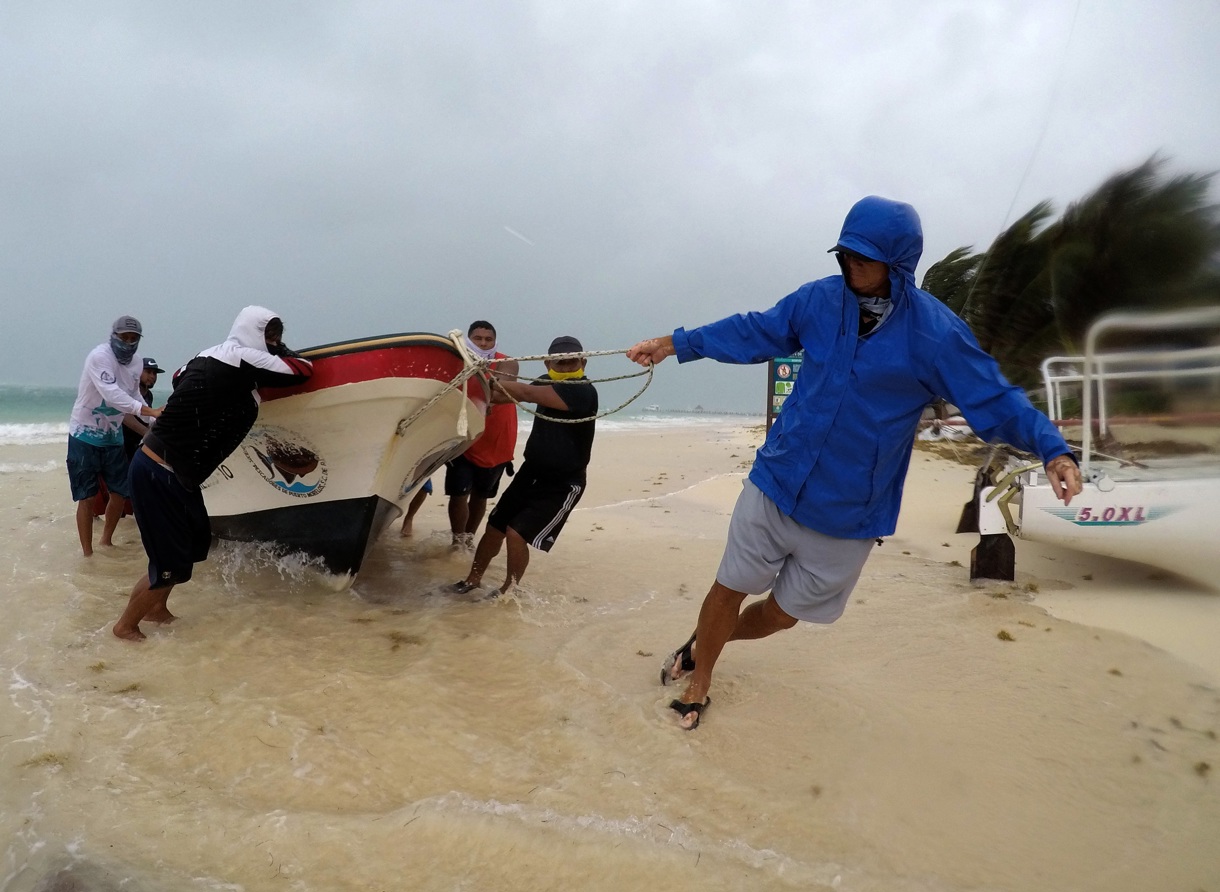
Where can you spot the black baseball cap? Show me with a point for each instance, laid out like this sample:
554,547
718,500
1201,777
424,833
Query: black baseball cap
566,344
150,365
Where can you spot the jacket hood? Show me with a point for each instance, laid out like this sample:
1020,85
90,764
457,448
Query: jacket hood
885,230
249,326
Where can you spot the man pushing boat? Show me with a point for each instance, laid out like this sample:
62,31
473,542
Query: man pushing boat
213,406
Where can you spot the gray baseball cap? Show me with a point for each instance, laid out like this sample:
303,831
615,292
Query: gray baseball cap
125,324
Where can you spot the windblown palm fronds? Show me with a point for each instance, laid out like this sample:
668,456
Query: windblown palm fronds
1140,241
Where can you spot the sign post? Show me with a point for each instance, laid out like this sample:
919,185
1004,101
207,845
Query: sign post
781,376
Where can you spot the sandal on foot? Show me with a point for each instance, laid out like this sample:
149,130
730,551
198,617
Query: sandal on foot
685,709
679,663
462,587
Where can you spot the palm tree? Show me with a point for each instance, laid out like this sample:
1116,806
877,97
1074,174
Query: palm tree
1140,241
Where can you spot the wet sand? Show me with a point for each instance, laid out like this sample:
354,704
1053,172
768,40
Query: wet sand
941,736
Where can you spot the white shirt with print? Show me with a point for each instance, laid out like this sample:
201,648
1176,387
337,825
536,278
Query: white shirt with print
108,390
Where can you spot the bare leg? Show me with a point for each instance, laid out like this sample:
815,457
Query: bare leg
143,601
518,560
84,525
721,620
114,513
416,501
478,507
760,619
489,547
459,511
160,611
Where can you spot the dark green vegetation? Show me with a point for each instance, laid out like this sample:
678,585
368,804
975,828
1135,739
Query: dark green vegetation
1142,241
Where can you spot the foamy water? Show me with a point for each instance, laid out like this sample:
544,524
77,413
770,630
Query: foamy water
36,434
284,735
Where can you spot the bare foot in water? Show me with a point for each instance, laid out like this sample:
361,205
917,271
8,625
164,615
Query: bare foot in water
406,528
164,617
132,634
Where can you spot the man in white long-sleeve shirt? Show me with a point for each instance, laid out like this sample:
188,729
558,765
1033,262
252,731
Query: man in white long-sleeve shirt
109,390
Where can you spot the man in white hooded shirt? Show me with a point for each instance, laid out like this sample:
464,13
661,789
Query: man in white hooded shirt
108,392
213,406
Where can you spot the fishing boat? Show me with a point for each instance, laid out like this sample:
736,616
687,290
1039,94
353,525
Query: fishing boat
332,462
1151,478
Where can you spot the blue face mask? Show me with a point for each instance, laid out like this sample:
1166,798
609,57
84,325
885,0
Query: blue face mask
122,350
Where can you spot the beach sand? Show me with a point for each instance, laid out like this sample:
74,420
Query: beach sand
942,735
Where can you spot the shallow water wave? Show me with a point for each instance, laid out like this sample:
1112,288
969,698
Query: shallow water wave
37,434
30,467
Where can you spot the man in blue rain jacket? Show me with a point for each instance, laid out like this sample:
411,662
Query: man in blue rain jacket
828,480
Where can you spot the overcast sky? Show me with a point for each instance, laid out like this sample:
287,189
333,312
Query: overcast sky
610,170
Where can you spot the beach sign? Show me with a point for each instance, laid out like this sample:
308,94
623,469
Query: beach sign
781,376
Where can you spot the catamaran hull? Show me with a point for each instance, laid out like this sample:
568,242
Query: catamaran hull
1168,524
330,464
1162,510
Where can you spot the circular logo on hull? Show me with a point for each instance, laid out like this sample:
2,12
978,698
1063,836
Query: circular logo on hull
286,460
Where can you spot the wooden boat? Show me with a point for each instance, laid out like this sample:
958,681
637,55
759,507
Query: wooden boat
1162,509
332,462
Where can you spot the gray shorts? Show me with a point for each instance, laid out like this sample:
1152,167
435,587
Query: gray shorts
810,574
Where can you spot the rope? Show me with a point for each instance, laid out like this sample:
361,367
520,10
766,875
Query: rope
470,367
473,365
583,355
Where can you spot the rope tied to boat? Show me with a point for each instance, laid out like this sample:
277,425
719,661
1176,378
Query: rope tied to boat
475,365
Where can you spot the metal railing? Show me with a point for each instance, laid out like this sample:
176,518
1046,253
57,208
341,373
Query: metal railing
1094,370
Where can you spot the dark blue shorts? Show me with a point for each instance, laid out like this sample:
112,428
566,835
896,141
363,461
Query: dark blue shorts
87,462
173,521
536,507
463,476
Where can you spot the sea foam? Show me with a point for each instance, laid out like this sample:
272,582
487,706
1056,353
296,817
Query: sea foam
33,434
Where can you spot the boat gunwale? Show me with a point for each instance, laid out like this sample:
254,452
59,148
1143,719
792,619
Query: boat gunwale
381,342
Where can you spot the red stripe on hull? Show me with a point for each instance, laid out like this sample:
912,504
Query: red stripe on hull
407,356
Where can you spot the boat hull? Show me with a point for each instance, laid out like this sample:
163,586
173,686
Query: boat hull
337,534
1153,495
1167,522
331,463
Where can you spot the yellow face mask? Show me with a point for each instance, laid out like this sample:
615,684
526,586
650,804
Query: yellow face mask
565,376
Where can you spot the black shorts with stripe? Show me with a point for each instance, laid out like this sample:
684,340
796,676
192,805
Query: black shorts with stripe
536,507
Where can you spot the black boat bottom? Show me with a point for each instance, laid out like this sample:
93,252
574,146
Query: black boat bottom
338,533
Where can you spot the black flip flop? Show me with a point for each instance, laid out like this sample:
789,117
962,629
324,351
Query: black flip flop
682,658
685,709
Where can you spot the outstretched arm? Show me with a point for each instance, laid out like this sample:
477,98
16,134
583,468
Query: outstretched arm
652,350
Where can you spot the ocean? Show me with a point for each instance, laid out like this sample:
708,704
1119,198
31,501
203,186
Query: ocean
35,415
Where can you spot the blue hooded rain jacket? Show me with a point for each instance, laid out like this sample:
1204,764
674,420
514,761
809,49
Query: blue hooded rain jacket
837,456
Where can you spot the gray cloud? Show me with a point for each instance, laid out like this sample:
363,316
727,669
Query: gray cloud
611,171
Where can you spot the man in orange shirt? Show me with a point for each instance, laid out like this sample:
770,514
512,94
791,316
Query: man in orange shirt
474,476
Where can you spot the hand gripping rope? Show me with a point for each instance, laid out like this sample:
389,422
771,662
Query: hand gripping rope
473,365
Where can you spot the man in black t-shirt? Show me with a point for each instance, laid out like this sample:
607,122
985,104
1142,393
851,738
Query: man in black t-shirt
551,480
